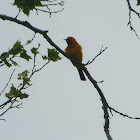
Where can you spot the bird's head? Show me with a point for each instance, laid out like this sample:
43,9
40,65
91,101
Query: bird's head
70,40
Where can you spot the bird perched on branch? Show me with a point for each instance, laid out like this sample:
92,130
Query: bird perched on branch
74,50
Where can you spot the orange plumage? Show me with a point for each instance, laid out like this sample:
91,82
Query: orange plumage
74,50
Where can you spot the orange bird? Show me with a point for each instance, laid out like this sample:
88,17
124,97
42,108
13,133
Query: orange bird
74,50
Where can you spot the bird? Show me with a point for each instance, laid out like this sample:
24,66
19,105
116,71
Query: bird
74,50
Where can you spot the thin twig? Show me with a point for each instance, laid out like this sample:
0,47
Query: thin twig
101,51
34,70
4,104
17,106
7,61
49,0
122,114
43,66
18,13
3,120
55,4
7,82
31,39
12,102
130,23
50,12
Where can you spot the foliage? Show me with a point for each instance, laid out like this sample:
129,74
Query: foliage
53,55
17,50
13,56
16,93
24,76
27,5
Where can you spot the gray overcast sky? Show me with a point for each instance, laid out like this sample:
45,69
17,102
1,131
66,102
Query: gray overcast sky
60,106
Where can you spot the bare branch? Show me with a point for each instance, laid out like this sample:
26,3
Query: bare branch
49,4
34,65
12,102
18,13
7,82
31,39
17,106
122,114
3,120
54,4
130,23
101,51
35,70
4,104
104,102
50,12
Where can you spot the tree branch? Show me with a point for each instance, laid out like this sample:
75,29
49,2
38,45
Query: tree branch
130,23
124,115
101,51
106,107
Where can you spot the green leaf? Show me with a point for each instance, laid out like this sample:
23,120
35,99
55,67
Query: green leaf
12,93
16,93
23,95
38,45
21,84
27,5
4,55
34,50
14,63
7,63
53,55
28,42
17,48
23,74
44,57
25,56
26,80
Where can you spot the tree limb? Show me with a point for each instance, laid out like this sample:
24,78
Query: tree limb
106,107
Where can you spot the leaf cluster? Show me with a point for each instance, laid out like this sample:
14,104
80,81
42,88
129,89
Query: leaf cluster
27,5
16,93
18,49
24,76
53,55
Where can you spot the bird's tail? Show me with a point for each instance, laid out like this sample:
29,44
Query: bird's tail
82,76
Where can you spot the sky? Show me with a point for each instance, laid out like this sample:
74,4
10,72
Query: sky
60,106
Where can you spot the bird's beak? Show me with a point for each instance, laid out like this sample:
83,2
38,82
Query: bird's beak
65,39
